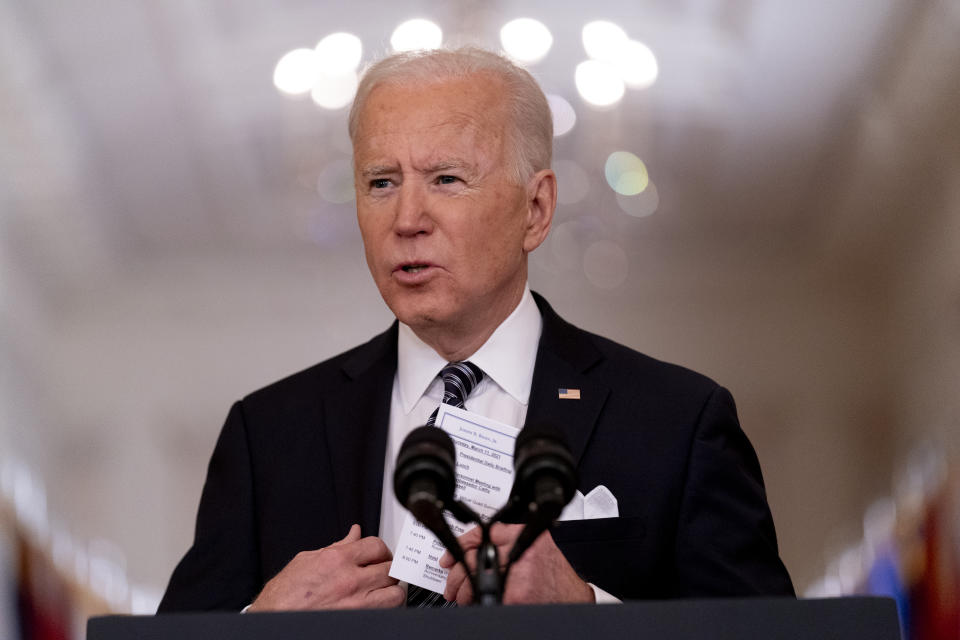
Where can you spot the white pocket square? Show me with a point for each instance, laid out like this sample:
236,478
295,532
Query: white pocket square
599,503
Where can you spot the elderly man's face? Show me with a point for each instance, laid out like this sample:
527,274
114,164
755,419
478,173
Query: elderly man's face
445,229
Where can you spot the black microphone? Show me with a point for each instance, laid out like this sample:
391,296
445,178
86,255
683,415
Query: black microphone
545,474
545,479
425,469
424,482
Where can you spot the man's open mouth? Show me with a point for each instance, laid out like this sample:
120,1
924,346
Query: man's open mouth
414,268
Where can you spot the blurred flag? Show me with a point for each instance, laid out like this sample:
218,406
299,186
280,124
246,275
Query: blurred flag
935,598
44,597
9,623
917,561
885,578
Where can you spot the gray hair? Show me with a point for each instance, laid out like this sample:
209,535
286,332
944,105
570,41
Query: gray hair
531,142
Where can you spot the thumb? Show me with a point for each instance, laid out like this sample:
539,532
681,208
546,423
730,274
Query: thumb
352,536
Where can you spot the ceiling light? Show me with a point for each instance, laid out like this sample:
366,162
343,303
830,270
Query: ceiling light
641,205
602,40
637,64
626,174
564,117
599,83
526,40
296,71
339,53
416,34
334,91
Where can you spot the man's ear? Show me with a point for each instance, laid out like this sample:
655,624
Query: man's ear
541,203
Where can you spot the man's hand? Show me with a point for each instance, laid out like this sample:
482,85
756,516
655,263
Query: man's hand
349,574
541,575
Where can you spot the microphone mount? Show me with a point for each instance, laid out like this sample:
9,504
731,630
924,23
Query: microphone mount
545,479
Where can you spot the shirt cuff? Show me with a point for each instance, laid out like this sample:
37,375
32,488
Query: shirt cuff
244,610
602,597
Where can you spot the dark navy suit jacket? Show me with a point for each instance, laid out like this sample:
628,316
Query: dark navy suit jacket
300,461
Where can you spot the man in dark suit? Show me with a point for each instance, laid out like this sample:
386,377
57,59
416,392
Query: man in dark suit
454,190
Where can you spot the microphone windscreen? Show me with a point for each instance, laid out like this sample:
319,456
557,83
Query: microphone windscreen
542,452
427,460
428,436
539,431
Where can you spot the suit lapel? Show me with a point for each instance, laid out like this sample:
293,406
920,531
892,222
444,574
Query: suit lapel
357,412
563,361
357,416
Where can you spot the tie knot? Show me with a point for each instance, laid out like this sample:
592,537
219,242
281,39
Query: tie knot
459,379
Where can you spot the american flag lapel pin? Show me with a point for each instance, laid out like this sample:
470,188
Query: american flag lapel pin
569,394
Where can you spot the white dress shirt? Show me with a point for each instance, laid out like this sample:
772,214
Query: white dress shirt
507,359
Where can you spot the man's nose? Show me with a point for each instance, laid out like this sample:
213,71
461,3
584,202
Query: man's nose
412,216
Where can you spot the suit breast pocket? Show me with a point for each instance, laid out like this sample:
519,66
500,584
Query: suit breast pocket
599,530
609,552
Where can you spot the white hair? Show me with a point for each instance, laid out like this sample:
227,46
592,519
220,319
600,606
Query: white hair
531,143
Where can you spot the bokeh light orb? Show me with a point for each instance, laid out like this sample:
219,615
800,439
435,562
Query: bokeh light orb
526,40
602,40
642,204
599,83
625,172
296,72
605,264
334,91
564,117
416,34
339,53
637,64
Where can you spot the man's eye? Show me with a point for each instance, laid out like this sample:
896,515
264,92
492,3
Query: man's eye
379,183
446,179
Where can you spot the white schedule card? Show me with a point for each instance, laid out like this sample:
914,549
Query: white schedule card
484,478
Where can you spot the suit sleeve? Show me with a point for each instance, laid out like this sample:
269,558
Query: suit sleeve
726,543
221,569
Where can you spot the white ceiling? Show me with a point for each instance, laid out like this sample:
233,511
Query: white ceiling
133,131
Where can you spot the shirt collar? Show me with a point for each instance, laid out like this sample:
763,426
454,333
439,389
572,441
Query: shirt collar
507,357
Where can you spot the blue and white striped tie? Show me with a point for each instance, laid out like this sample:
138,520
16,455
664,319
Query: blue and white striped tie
459,379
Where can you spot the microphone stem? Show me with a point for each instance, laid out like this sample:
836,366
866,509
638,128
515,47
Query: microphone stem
488,582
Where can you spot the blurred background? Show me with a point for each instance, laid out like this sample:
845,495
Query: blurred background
764,191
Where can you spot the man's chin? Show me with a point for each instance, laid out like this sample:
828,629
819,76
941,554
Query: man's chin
420,320
418,315
429,319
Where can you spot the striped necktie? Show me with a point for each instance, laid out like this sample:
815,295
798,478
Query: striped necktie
459,379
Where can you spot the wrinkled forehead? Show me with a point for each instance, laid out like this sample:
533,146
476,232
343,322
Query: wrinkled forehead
474,105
